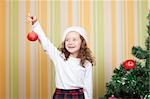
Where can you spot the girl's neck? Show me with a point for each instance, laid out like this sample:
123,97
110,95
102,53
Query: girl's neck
73,55
74,58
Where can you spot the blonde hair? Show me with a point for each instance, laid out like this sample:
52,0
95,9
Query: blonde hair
84,53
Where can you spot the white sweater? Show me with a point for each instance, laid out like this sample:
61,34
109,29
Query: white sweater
69,74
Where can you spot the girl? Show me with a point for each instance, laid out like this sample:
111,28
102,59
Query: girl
73,62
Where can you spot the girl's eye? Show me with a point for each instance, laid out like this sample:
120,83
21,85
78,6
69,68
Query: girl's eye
74,39
66,40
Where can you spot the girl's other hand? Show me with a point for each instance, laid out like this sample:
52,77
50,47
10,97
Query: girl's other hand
31,19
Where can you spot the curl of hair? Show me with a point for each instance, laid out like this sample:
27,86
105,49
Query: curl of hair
84,53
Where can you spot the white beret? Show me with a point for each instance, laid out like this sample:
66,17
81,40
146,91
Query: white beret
77,29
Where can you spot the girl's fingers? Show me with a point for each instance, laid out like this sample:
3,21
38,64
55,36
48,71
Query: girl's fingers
29,19
34,18
28,14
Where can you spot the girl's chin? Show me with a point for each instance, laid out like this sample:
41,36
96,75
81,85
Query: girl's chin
71,52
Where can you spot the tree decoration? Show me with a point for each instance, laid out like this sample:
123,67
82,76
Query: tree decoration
132,79
129,64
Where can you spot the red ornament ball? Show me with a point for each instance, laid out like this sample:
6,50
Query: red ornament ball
32,36
129,64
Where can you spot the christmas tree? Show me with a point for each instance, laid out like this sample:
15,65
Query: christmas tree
132,79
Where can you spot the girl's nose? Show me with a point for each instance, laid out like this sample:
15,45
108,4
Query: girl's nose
70,42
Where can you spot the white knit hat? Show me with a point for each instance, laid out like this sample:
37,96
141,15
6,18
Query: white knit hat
77,29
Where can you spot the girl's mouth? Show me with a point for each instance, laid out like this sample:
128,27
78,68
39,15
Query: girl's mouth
71,47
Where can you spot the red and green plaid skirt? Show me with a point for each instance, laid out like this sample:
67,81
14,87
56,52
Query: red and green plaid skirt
69,94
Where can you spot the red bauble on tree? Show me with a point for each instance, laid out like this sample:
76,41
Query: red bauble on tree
129,64
32,36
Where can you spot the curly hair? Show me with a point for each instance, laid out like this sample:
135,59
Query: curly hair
84,53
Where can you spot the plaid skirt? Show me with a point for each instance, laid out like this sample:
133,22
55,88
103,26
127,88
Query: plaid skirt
68,94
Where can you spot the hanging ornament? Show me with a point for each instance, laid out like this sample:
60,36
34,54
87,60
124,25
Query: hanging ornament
112,97
32,36
129,64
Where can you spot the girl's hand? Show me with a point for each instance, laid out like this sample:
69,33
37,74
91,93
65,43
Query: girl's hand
31,19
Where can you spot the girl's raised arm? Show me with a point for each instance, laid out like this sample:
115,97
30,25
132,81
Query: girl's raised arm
48,47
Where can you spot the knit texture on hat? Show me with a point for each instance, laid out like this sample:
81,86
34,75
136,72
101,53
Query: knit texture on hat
78,29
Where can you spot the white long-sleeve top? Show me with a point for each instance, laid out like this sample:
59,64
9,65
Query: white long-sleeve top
69,73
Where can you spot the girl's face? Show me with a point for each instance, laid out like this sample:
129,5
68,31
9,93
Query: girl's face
73,43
